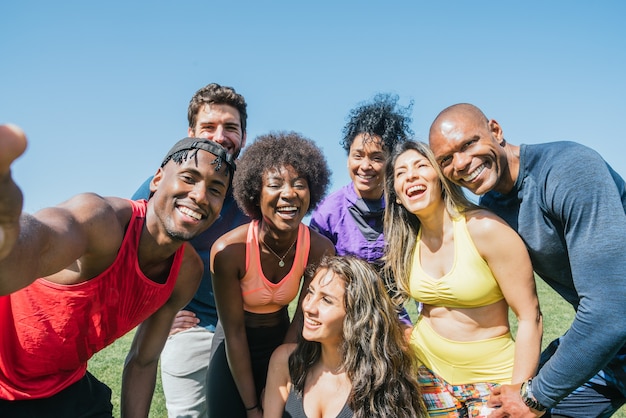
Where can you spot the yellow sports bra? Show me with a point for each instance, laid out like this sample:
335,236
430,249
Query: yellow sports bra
469,284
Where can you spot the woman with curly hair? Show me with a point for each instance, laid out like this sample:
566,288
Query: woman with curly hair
352,359
258,268
352,217
466,267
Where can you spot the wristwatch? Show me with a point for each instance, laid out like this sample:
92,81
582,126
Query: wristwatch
526,391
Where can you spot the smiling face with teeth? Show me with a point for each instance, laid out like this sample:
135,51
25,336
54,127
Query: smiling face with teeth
366,161
416,182
285,198
324,308
188,197
471,150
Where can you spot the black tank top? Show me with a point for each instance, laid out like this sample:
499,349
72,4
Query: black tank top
295,407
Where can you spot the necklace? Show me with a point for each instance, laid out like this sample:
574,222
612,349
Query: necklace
281,263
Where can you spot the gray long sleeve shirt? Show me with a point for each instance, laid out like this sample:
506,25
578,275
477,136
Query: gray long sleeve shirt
569,207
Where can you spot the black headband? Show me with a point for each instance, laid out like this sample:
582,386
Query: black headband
203,144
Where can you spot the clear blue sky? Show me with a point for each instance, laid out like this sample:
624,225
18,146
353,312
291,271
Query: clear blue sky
102,88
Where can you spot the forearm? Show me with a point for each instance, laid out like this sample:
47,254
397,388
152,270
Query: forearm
586,348
10,209
274,400
140,368
138,383
597,331
12,145
527,349
240,364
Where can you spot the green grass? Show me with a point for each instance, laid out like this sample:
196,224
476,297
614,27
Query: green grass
107,365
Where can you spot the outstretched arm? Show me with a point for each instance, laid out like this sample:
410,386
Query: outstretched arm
12,145
68,243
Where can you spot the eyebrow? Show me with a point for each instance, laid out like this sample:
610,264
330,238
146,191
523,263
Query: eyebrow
274,175
196,172
329,295
228,123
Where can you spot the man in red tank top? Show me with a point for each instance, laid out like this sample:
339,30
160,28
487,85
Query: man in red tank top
77,276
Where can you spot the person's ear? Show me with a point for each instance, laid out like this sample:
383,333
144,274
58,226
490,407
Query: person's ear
243,140
154,183
496,131
191,133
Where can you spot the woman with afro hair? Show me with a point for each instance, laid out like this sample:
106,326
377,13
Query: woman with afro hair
259,267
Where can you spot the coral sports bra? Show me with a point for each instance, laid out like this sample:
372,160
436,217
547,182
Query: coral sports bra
260,295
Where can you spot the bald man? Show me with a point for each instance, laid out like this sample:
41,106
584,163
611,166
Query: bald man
569,206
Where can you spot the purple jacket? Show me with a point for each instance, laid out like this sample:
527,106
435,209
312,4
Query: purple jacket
353,224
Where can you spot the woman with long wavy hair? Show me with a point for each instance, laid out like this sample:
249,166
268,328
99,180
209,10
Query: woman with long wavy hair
466,267
352,359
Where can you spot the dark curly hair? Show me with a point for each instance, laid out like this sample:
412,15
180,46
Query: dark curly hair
215,93
273,151
383,117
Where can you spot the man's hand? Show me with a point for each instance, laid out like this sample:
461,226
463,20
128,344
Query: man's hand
508,403
12,145
184,320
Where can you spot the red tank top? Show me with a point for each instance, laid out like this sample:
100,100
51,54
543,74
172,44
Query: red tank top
49,331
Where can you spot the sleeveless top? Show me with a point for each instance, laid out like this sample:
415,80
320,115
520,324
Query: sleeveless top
260,295
294,408
469,284
49,330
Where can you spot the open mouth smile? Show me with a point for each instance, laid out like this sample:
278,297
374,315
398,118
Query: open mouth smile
415,190
474,173
287,210
189,212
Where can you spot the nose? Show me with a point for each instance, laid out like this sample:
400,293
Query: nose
219,135
366,163
288,191
199,194
460,161
308,305
412,172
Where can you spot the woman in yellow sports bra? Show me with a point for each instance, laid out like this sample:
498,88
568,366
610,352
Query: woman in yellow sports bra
467,267
258,268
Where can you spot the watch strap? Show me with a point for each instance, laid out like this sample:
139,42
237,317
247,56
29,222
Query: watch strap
526,392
